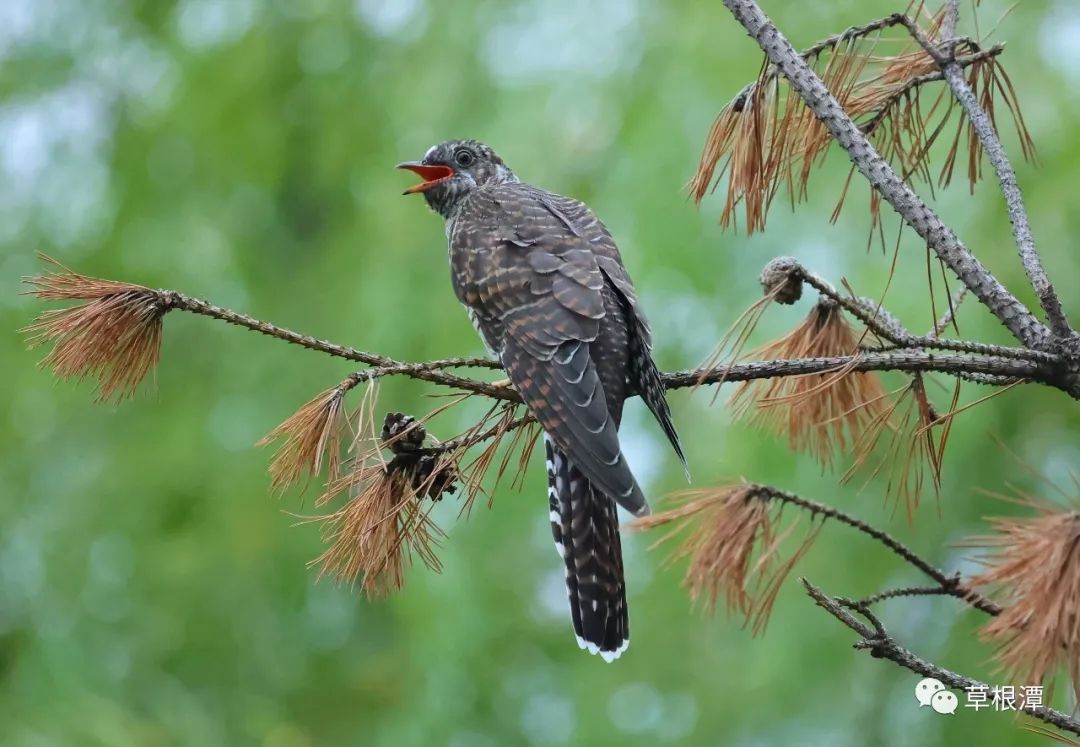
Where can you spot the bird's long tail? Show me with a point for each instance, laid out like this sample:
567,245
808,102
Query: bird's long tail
585,525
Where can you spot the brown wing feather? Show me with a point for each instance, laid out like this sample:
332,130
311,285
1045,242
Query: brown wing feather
568,400
644,375
602,244
541,285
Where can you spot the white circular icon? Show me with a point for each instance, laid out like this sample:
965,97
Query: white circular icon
944,702
926,689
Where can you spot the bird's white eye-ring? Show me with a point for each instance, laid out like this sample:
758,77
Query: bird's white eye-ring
464,157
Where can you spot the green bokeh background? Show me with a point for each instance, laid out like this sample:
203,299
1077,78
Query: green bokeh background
154,592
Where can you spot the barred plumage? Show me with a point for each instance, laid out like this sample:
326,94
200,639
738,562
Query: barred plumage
585,527
545,287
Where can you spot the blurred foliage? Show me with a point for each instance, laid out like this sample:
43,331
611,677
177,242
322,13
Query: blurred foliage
154,592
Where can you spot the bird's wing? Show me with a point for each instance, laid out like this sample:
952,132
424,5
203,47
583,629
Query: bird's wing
601,242
525,272
644,375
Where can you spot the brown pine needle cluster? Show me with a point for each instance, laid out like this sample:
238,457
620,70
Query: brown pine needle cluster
766,137
517,454
312,433
374,536
821,414
1035,562
731,537
908,439
500,422
114,337
386,520
738,334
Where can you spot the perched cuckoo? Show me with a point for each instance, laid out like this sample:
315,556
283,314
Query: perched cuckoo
543,283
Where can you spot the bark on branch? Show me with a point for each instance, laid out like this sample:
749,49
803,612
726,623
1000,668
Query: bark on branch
996,361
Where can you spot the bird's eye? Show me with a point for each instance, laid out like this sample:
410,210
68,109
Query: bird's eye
464,157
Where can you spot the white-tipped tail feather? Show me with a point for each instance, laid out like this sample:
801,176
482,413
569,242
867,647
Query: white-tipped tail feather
584,524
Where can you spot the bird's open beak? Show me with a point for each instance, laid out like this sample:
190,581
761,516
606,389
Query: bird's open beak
432,175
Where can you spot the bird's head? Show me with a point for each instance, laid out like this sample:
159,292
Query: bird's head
451,170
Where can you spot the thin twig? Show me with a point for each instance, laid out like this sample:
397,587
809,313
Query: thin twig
944,581
946,319
907,591
854,32
468,440
915,212
430,371
873,318
830,42
950,20
869,126
177,300
881,645
999,159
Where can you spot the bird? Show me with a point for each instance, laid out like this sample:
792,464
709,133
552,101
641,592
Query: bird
545,287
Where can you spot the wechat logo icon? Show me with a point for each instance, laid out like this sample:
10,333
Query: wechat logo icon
931,692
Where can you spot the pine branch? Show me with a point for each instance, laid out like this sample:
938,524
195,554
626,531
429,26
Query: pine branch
430,371
907,591
732,535
881,645
915,212
947,318
947,584
899,360
884,324
858,32
854,32
950,20
870,126
109,362
176,300
999,159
